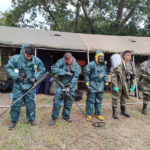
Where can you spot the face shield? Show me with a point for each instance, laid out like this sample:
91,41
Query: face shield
115,60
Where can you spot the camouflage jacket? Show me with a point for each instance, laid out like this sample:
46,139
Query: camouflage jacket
119,78
144,77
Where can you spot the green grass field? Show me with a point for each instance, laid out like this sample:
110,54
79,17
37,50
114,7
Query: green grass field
78,135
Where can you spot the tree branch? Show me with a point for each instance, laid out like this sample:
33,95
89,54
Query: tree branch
120,10
75,26
87,17
91,9
49,12
129,15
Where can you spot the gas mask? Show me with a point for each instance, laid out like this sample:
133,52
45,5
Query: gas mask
101,60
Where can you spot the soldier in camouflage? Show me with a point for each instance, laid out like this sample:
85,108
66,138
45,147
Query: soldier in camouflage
5,56
144,83
5,82
122,83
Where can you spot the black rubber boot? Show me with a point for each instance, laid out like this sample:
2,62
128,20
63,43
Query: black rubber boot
52,123
123,112
12,125
68,120
114,115
144,111
32,122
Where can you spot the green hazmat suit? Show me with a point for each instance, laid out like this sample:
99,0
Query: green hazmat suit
60,69
95,75
33,69
144,80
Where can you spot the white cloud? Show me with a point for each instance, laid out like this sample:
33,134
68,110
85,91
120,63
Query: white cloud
5,5
7,2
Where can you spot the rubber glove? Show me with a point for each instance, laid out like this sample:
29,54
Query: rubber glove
116,89
132,88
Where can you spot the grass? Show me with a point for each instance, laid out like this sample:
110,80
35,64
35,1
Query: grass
48,100
26,137
78,135
20,138
44,99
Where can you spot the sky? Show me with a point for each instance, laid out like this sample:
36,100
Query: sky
5,5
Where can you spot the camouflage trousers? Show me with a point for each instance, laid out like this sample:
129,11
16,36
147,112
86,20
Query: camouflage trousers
118,97
146,98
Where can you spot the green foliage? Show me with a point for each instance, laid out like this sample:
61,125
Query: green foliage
91,16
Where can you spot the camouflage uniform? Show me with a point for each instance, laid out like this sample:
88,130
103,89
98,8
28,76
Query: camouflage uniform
120,79
5,82
144,83
5,55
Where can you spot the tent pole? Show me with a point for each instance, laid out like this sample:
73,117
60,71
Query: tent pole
136,88
35,56
35,52
88,57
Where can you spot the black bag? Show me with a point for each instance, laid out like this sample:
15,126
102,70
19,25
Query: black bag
78,95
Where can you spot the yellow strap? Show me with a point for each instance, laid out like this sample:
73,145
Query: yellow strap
100,54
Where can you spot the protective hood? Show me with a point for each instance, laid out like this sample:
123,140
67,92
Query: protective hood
98,53
115,60
23,48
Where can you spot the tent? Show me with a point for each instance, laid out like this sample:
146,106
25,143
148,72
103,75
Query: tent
64,41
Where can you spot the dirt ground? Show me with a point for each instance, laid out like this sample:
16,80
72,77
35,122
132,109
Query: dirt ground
124,134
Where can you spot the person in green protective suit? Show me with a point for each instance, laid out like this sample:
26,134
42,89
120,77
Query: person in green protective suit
95,74
123,81
68,71
24,69
144,83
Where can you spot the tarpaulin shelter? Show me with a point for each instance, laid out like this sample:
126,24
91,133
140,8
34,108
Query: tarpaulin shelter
65,41
74,42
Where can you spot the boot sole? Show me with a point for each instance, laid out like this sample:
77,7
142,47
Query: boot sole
51,124
115,118
10,128
125,116
144,113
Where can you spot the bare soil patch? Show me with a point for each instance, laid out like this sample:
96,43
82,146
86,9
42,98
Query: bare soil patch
123,134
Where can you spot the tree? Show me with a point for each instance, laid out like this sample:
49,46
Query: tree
54,12
115,15
86,16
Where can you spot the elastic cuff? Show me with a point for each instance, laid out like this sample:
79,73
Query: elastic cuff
87,83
